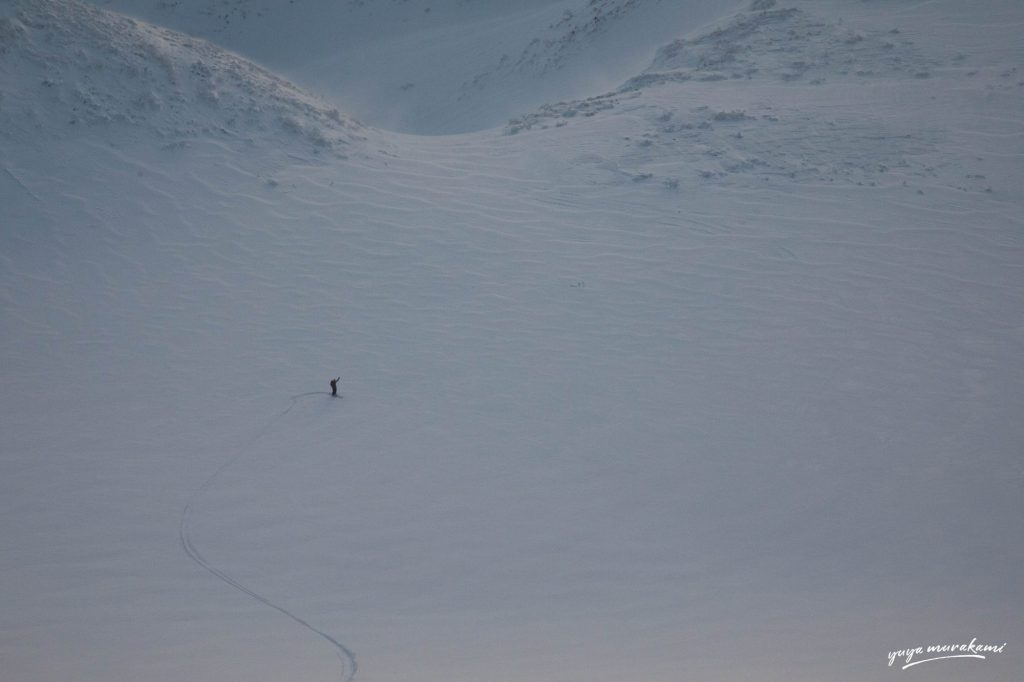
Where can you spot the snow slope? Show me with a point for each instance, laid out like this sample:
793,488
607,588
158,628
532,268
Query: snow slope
711,373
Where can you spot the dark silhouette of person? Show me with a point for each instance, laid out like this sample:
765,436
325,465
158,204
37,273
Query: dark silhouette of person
334,386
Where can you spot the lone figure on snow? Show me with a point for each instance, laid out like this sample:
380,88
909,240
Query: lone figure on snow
334,386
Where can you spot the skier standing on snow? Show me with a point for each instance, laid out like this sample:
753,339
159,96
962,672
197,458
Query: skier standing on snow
334,386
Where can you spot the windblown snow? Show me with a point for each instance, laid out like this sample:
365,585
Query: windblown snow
89,67
677,340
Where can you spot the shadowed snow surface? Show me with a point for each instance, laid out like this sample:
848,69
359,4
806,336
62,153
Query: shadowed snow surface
704,370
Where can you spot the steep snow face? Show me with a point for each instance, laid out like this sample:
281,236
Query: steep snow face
447,66
67,65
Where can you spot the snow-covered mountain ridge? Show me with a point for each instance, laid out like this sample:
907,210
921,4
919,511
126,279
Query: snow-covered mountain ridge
448,66
788,44
69,64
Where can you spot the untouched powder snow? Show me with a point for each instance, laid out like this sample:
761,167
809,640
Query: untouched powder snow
705,370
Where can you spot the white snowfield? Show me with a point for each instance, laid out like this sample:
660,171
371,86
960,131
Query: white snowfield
677,340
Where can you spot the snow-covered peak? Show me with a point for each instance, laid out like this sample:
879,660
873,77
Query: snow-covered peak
65,65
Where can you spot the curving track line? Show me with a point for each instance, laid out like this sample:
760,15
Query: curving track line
348,658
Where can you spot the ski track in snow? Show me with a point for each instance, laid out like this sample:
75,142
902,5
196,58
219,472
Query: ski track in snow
347,657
